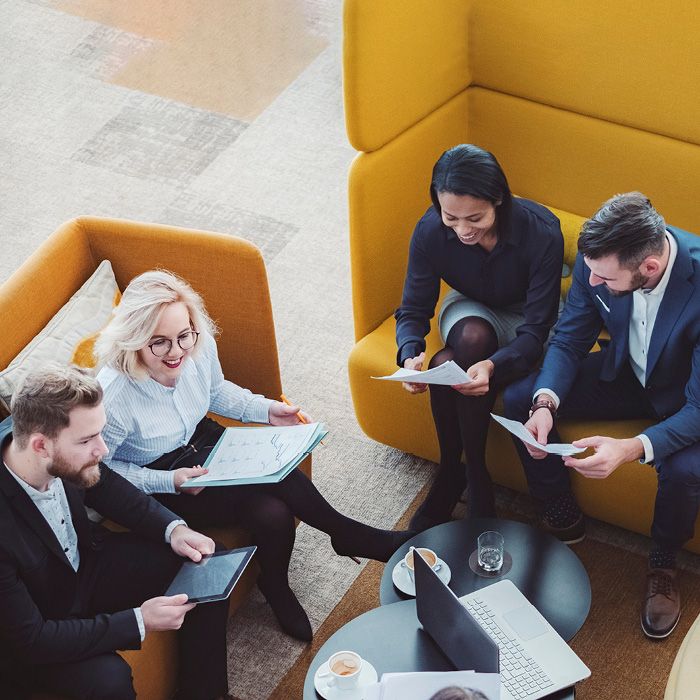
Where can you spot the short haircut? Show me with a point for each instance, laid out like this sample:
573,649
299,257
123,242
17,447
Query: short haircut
43,401
469,170
137,316
626,226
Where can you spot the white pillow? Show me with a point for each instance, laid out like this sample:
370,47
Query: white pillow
69,337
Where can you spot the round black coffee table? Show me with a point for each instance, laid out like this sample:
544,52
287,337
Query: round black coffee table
392,640
547,571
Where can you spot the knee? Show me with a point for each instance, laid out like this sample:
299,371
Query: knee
517,398
111,680
472,339
271,517
682,467
440,357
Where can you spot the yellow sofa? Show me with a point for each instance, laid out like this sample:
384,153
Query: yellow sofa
229,273
578,101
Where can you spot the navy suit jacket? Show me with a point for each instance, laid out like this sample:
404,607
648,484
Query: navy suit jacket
673,364
38,586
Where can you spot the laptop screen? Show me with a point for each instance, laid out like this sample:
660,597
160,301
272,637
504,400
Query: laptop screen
452,628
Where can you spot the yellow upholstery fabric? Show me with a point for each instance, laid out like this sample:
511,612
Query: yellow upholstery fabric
578,101
423,39
229,273
684,681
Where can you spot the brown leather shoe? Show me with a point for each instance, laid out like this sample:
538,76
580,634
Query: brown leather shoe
661,607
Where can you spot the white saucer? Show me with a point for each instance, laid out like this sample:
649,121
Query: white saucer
403,581
368,675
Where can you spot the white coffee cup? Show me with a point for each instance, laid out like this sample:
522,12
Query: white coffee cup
344,668
427,554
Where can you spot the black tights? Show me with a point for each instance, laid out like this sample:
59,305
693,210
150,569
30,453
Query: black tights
268,511
462,425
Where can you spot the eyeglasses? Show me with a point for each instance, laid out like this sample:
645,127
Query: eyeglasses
163,346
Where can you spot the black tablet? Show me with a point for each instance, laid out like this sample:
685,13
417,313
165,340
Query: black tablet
212,578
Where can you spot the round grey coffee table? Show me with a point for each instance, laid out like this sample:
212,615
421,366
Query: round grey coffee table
547,571
391,639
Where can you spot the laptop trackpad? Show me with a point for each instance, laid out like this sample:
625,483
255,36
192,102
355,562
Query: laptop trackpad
526,622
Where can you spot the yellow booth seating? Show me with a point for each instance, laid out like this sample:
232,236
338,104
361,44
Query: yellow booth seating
230,275
578,101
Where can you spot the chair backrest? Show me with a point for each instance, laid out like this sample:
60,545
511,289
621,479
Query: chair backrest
578,101
228,272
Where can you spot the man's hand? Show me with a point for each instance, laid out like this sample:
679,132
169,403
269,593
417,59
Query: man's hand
540,425
185,474
417,364
282,414
609,455
165,612
190,543
480,372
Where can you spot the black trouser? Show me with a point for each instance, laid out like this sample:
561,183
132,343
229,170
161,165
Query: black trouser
124,572
678,494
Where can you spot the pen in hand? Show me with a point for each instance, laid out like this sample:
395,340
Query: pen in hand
301,418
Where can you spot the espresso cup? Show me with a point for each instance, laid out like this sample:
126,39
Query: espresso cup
344,668
426,553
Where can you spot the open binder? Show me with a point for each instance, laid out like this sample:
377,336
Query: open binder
262,455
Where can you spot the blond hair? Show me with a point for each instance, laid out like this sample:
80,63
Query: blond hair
137,315
44,399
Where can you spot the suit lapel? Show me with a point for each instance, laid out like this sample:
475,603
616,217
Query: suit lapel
618,326
24,507
676,296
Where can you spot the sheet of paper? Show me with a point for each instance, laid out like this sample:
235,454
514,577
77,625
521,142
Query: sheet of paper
448,374
420,686
520,431
248,452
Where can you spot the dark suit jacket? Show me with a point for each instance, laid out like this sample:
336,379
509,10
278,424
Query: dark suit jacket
37,583
673,364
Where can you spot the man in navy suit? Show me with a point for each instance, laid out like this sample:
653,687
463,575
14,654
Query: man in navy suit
71,593
640,279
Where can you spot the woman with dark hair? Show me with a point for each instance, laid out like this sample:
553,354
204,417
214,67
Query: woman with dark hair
502,258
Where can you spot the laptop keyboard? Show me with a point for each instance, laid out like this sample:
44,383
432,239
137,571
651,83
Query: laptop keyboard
520,673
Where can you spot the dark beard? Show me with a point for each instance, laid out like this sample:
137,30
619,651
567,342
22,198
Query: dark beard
84,477
637,282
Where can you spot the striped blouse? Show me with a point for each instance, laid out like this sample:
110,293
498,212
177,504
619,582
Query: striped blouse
145,419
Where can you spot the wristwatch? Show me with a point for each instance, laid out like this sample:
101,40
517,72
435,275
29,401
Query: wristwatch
544,403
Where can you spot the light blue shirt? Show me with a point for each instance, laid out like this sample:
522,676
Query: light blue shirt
145,419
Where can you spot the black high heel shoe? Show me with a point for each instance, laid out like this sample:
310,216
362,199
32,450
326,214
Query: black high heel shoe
370,542
291,616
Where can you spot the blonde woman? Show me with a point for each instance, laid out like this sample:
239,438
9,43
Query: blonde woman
161,375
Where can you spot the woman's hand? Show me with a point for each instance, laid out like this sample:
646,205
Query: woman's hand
283,414
480,372
185,474
415,363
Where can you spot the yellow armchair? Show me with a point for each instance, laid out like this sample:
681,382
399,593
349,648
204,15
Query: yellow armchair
229,273
578,101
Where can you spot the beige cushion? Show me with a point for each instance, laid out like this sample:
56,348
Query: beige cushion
69,337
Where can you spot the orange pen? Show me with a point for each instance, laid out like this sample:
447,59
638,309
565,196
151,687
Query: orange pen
284,399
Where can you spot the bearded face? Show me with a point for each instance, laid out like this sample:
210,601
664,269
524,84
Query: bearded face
84,476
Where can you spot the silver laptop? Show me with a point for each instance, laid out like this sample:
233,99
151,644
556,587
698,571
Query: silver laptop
534,660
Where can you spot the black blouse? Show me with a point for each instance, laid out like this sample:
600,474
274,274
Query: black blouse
524,266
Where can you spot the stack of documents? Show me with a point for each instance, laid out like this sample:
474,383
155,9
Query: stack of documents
258,455
447,374
421,686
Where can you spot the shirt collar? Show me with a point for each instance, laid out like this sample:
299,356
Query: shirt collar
33,493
